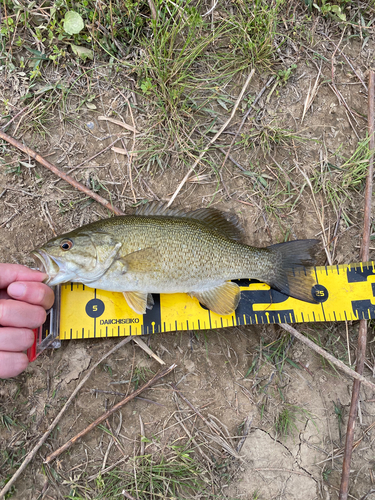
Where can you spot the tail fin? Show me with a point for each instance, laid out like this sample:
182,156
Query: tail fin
292,274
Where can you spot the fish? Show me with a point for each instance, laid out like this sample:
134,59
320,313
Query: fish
165,250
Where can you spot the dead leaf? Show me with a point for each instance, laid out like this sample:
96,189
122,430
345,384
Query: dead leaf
122,151
118,122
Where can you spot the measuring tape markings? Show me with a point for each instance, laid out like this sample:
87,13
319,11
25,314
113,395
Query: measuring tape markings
343,292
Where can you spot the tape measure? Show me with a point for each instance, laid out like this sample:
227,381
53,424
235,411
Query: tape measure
342,292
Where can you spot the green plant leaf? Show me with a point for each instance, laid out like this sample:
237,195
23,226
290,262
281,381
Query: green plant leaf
82,52
73,22
91,105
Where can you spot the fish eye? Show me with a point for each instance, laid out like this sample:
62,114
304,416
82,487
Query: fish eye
66,244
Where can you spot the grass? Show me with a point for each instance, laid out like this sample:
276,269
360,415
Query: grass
275,353
285,421
338,183
251,41
175,473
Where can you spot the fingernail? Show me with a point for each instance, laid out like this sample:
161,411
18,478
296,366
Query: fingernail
17,290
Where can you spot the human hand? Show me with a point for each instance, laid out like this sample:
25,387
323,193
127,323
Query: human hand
24,300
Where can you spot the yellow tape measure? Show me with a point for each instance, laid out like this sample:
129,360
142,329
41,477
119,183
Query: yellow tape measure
345,292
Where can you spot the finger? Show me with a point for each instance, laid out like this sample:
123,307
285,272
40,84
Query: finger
33,293
21,314
4,295
12,363
16,339
16,272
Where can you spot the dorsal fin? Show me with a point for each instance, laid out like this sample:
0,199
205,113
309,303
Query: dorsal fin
226,224
159,208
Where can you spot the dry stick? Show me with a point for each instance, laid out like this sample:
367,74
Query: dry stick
20,113
115,408
213,139
246,116
133,145
42,440
97,154
131,152
59,173
347,60
153,10
327,356
127,495
362,334
145,347
174,387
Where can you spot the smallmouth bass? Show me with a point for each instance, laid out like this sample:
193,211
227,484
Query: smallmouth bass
163,250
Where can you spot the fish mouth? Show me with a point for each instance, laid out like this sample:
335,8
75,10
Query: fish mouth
48,265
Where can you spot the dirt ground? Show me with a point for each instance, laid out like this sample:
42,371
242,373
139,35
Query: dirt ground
213,367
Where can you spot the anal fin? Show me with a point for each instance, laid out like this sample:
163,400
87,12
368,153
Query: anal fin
139,301
222,299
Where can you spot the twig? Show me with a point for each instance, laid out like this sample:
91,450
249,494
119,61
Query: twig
145,347
131,152
127,495
311,96
348,61
341,100
362,334
246,116
115,393
325,240
211,10
96,154
42,440
370,492
154,13
213,139
327,356
142,452
245,432
194,409
59,173
115,408
20,113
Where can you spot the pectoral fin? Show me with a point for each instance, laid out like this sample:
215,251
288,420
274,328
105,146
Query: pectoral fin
139,301
222,299
141,261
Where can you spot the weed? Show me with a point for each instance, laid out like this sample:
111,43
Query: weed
339,412
141,374
251,39
6,421
267,137
338,183
331,9
327,473
275,353
283,75
285,422
166,475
